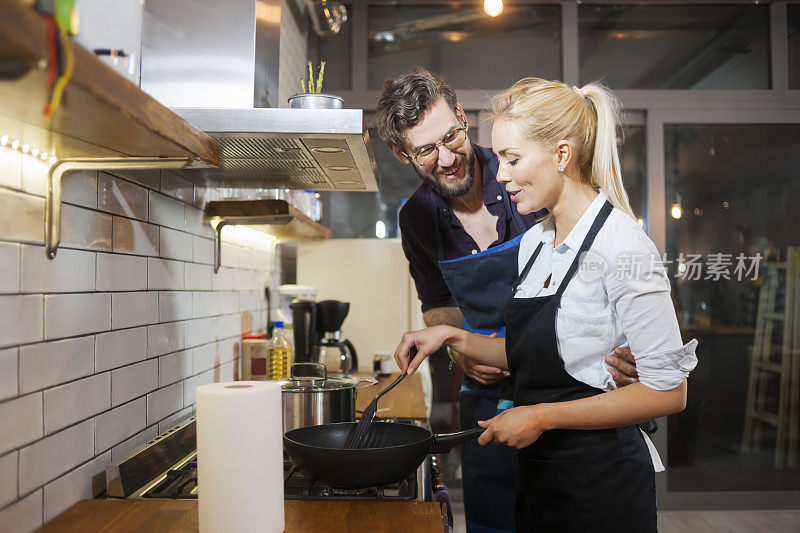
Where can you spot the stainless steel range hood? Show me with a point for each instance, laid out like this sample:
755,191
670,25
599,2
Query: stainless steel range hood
319,149
216,64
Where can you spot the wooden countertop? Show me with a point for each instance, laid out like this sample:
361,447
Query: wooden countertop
180,516
406,400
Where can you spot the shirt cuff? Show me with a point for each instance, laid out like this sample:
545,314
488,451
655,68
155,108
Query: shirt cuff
667,369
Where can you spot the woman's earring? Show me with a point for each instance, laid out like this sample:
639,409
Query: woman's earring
561,169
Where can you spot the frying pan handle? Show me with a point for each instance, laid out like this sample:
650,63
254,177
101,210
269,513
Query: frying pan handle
442,443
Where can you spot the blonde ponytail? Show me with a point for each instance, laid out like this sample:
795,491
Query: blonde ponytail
550,111
606,172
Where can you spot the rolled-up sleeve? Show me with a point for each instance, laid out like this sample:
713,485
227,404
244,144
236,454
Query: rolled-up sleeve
639,291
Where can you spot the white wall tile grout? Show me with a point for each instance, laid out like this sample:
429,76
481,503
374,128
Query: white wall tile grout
157,251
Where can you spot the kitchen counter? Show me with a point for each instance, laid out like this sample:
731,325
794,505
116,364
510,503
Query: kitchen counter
406,400
180,516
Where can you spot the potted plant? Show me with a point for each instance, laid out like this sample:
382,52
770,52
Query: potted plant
312,96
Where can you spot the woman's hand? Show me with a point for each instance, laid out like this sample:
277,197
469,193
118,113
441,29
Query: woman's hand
517,427
425,341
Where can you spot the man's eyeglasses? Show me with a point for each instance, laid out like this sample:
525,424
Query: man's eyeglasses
427,155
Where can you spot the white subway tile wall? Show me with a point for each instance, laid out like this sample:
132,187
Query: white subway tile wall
49,363
120,423
9,464
9,373
102,348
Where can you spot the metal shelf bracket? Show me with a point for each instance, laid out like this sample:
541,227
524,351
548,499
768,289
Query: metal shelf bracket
217,225
52,215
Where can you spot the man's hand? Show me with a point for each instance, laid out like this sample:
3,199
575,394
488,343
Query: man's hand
517,427
623,367
485,375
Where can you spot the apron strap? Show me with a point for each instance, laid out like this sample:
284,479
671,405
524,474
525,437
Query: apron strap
605,211
516,218
527,269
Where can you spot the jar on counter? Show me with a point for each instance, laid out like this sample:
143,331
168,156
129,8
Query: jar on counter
382,364
254,357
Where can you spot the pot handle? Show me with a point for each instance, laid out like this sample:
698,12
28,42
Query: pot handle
369,381
442,443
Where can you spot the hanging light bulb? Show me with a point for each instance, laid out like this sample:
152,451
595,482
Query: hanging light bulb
380,229
676,211
493,7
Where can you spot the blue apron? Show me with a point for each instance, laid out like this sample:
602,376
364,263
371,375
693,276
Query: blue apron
482,285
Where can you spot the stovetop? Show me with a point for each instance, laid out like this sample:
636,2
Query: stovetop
178,480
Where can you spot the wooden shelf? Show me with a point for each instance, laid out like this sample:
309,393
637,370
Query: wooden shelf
103,114
276,217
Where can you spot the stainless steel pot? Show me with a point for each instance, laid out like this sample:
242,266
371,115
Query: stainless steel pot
317,399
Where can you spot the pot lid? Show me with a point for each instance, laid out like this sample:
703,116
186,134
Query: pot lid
315,384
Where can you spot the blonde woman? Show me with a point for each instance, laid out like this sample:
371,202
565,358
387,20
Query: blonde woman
589,280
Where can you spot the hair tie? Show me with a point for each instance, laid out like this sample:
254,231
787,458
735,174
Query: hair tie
579,91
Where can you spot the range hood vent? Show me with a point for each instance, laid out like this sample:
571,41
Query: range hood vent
216,64
319,149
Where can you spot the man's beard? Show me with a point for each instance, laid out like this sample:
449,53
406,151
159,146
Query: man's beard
446,191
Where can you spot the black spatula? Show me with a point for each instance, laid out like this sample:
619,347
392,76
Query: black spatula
357,436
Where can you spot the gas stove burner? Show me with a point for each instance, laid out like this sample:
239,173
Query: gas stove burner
166,468
298,487
332,491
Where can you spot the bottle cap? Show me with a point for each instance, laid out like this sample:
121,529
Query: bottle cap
279,324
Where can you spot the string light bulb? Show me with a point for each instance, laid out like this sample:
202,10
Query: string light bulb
493,7
27,149
676,211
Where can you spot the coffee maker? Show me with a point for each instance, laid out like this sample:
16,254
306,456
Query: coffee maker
337,354
317,336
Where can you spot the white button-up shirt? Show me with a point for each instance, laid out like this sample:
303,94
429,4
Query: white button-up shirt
619,296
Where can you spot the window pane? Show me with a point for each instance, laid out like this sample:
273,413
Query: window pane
354,214
335,50
675,47
631,158
737,186
793,16
470,48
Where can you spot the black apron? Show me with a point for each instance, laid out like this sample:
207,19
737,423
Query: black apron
570,480
481,285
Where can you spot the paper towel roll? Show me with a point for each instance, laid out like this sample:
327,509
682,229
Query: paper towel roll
240,457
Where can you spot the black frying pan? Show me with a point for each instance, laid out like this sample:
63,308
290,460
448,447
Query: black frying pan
394,451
